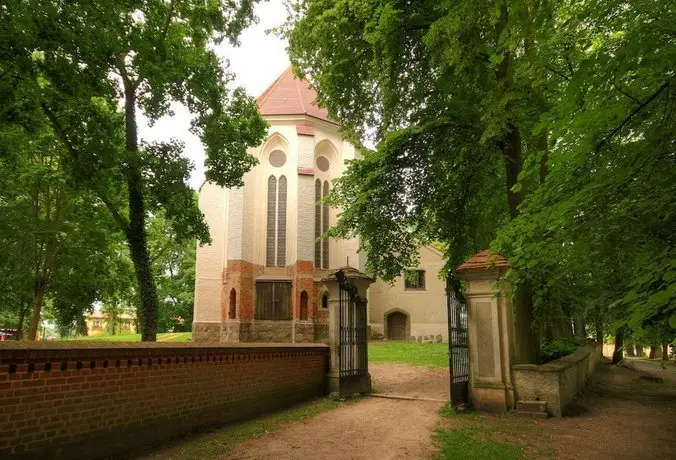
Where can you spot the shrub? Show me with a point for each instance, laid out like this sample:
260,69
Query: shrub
559,348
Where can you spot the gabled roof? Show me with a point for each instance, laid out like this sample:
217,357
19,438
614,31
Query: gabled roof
484,260
290,96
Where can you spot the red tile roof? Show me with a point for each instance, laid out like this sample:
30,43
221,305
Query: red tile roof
289,96
484,260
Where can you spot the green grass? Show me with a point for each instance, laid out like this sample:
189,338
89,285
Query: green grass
162,337
413,353
216,443
483,437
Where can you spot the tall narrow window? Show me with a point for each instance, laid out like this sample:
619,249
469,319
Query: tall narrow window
276,231
232,308
272,211
303,305
281,223
318,224
321,225
325,227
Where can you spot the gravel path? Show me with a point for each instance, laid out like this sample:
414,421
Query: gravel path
372,428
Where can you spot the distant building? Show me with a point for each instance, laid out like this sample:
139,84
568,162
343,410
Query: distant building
98,323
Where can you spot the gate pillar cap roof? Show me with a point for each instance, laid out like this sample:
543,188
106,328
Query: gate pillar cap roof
350,273
484,261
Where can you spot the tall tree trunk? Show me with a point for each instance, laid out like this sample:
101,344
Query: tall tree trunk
639,351
136,233
22,319
526,335
618,353
665,350
653,352
37,308
580,327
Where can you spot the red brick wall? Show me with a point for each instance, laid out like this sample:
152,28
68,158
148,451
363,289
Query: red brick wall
240,275
303,281
92,400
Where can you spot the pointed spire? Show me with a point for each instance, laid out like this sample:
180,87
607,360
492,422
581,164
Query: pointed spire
288,95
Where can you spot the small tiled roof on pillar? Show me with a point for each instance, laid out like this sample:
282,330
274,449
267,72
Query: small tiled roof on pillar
485,260
290,96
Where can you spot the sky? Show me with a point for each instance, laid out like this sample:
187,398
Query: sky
256,63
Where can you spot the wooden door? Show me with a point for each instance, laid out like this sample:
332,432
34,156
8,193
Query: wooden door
396,326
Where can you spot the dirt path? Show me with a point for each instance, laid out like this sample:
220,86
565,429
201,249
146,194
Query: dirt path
410,381
372,428
620,416
665,371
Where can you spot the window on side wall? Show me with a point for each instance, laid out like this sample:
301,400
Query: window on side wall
414,280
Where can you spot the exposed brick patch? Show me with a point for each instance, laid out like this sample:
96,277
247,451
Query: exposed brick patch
145,394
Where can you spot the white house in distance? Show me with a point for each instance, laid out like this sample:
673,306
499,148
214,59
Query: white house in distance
260,279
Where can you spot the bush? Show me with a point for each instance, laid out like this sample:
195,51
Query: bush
559,348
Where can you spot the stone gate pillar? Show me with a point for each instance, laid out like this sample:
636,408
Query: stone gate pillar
490,328
358,383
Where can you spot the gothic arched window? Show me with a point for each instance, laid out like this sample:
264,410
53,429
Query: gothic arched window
321,225
275,254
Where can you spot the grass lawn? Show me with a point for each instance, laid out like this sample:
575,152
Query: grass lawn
213,444
413,353
162,337
487,437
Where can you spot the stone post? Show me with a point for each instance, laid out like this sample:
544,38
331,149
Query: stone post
490,331
358,384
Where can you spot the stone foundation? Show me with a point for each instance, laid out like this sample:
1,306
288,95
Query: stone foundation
233,331
206,332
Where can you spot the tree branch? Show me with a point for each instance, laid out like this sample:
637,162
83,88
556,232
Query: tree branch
167,22
631,115
119,218
624,93
560,74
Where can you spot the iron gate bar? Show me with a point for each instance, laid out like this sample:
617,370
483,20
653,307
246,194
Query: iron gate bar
458,345
353,351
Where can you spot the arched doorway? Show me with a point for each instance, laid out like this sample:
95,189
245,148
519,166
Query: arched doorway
396,326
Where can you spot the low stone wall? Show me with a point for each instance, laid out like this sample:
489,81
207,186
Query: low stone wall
556,382
89,399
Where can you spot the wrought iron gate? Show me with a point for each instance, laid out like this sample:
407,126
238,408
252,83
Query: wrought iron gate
458,344
353,352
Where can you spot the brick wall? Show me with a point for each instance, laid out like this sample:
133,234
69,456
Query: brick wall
84,400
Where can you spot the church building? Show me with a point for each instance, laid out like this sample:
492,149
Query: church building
261,278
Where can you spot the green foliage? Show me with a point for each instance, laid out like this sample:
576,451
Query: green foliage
583,89
413,353
556,349
81,71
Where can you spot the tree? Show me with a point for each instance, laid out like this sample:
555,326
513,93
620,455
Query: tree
571,100
71,65
451,94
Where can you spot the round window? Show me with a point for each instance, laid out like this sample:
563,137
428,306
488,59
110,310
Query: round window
323,164
277,158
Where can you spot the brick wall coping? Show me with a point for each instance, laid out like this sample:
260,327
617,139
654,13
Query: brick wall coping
562,363
12,351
